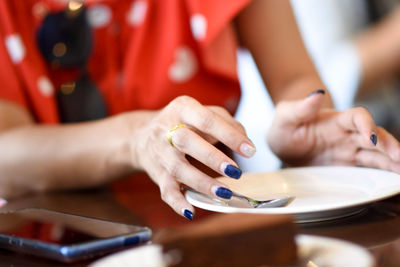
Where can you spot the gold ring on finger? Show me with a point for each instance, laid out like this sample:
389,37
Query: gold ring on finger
171,132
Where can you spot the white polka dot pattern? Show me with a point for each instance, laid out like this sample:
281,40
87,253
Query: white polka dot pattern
137,13
184,66
15,48
198,25
45,86
99,15
39,10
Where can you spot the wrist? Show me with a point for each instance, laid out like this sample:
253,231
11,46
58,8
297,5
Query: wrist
132,125
117,162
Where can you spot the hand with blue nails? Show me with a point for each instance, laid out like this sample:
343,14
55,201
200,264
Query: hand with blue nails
185,127
305,133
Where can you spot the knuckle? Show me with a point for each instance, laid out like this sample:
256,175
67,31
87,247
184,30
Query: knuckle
181,139
207,122
182,100
176,104
180,104
169,196
362,110
204,184
220,110
166,192
174,169
166,195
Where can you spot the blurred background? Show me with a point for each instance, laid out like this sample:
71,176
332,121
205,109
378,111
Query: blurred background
355,46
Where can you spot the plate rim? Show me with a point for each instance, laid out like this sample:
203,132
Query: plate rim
297,210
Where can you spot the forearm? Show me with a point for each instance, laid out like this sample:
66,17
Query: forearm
379,49
39,157
268,29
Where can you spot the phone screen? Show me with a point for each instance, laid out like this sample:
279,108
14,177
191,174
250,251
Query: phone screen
60,228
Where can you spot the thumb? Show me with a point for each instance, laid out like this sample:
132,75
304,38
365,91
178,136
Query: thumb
299,111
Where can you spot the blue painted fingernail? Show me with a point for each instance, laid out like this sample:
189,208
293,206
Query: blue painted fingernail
188,214
374,139
223,192
319,91
232,171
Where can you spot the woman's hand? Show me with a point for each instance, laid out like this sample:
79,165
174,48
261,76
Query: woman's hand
166,163
304,134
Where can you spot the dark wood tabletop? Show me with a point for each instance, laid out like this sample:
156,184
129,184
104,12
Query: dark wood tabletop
137,201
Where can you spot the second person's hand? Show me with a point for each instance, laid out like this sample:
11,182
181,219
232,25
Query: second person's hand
303,133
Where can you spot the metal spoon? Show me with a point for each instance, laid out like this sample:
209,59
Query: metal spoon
270,203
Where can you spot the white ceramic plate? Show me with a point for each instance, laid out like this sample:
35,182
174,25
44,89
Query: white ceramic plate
322,251
321,193
312,251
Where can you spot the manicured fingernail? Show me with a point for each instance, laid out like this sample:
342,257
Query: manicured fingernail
247,149
188,214
374,139
231,170
2,202
222,192
319,91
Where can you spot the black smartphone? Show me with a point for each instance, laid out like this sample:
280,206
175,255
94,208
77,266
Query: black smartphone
65,237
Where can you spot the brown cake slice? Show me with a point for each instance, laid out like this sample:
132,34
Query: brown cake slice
233,240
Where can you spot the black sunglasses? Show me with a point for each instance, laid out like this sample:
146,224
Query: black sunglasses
65,41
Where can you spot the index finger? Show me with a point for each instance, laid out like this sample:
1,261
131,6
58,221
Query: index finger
222,129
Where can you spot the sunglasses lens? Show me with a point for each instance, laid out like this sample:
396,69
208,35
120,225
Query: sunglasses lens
65,40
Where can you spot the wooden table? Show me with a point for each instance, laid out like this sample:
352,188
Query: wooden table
377,228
